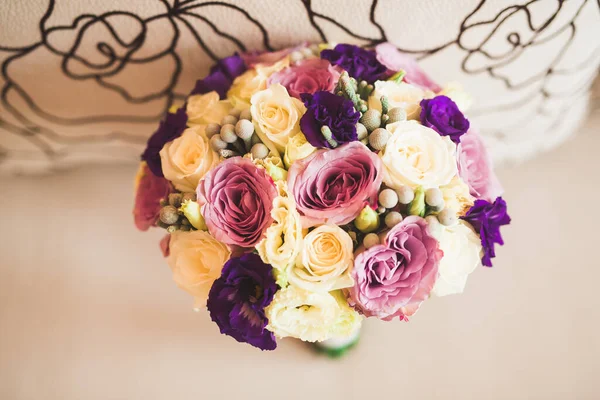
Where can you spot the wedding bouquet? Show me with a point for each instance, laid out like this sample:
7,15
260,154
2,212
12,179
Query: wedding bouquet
305,189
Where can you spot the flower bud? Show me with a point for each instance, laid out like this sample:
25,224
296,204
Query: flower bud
367,221
191,210
417,206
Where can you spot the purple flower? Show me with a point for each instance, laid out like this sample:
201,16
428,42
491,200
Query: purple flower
443,116
221,76
169,129
338,113
487,218
360,64
237,300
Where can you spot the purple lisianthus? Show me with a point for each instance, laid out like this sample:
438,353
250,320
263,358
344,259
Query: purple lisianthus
221,76
337,112
360,64
487,218
237,300
443,116
169,129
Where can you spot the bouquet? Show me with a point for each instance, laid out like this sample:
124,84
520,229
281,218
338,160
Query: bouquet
305,189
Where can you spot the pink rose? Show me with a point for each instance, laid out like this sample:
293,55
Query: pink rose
307,76
475,168
266,57
393,279
236,199
394,60
151,189
333,186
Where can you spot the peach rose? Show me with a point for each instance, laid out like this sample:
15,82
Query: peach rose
188,158
196,259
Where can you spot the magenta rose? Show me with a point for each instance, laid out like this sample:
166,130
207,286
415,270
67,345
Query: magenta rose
333,186
394,60
393,279
236,199
307,76
151,189
475,167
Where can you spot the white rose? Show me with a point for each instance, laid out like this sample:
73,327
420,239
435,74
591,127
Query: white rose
325,261
457,196
188,158
206,108
297,148
276,115
462,254
455,91
417,156
403,95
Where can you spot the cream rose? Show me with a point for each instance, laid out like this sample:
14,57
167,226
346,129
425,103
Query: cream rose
206,108
297,148
403,95
188,158
456,196
276,115
417,156
252,81
305,315
455,91
196,259
283,239
462,254
325,261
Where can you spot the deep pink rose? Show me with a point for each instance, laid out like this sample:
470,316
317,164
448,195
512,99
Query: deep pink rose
393,279
394,60
475,168
151,189
164,245
333,186
307,76
236,199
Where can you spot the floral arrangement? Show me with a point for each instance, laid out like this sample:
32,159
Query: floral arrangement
305,189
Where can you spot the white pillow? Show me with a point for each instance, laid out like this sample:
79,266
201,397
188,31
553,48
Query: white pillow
88,82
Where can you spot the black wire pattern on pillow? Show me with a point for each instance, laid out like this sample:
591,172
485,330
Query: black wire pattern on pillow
479,57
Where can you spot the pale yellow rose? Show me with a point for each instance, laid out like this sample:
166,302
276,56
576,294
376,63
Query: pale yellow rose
455,91
297,148
456,196
188,158
203,109
325,261
196,259
283,239
276,115
399,94
252,81
305,315
244,86
417,156
267,70
462,255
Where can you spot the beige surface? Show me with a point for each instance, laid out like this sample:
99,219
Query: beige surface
88,309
